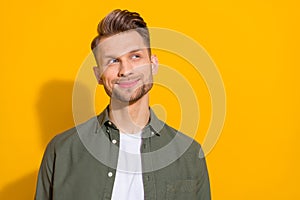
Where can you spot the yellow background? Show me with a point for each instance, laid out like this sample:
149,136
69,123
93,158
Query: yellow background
255,45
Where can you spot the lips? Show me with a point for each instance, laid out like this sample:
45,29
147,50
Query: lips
127,83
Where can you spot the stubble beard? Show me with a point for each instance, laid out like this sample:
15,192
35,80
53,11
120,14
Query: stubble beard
131,95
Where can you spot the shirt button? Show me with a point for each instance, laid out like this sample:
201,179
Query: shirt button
109,122
110,174
107,130
114,141
152,133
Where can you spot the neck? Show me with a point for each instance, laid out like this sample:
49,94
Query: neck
130,117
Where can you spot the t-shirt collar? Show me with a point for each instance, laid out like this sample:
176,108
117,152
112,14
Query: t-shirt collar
154,122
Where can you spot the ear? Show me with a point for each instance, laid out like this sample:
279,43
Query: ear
97,73
154,64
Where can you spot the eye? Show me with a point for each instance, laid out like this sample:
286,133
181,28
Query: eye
112,61
135,56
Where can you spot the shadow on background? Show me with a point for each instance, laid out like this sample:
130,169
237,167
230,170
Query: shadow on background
54,109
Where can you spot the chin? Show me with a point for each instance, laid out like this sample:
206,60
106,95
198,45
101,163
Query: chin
134,96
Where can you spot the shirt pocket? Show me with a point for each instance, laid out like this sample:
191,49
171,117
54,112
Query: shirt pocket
182,189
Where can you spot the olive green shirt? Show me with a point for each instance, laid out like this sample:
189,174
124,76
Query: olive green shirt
80,164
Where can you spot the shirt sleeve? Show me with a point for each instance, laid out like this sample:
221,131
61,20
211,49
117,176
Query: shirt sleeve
45,175
204,185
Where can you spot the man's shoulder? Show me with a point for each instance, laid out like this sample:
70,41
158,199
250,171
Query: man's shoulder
172,132
172,137
70,137
181,139
178,151
63,139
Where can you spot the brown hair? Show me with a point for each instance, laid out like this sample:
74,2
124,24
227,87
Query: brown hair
118,21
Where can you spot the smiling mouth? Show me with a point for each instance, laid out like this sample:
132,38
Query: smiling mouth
128,84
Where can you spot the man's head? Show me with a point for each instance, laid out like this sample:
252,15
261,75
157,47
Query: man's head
122,52
119,21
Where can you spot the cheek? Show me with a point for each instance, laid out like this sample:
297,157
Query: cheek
108,75
143,68
148,77
148,71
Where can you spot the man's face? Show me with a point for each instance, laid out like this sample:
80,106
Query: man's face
125,67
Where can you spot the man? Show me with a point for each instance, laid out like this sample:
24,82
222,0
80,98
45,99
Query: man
126,152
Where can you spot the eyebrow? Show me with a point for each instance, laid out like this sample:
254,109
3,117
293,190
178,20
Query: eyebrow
132,51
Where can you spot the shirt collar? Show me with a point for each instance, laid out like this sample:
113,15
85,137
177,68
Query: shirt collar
155,123
103,117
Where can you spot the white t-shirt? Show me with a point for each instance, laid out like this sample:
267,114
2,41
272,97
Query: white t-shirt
128,183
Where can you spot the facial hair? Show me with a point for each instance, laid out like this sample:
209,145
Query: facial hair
137,94
122,95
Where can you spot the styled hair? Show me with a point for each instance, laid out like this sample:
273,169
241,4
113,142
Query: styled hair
119,21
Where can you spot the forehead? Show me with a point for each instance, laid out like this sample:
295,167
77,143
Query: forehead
120,44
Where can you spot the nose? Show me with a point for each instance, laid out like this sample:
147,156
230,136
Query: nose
125,68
